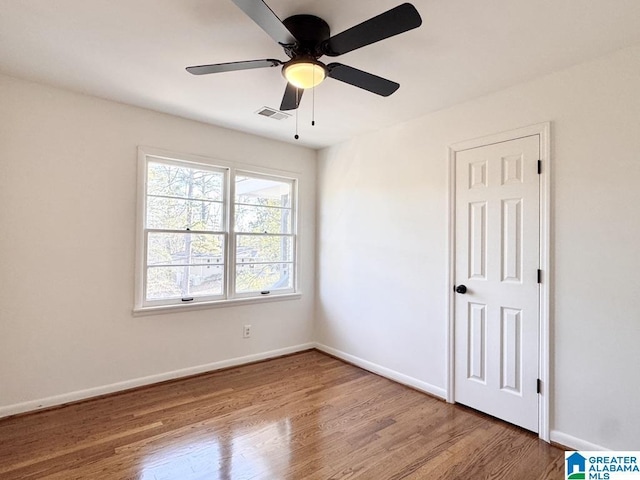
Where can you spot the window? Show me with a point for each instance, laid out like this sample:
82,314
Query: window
212,233
264,237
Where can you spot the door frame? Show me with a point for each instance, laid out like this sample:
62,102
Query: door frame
544,291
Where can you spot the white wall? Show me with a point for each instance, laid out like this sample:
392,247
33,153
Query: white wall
67,238
383,243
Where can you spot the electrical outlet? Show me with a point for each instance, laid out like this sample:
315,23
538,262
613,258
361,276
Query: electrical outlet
246,331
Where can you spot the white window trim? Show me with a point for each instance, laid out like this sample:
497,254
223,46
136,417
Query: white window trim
231,169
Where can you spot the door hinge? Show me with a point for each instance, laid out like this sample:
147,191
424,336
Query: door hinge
539,276
539,167
539,386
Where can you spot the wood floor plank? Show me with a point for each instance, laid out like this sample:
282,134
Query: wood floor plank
305,416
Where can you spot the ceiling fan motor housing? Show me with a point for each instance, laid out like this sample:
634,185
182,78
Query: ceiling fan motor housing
310,31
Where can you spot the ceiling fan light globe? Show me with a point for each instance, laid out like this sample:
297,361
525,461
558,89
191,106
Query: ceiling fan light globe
305,74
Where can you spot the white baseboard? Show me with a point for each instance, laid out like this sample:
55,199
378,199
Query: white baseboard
57,400
385,372
556,436
5,411
575,443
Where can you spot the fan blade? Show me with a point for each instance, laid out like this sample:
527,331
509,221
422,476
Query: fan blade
292,97
260,13
233,66
360,79
398,20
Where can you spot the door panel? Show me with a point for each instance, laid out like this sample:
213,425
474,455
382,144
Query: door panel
497,258
478,240
477,343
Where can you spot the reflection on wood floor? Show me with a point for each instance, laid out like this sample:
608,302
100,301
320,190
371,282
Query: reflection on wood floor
306,416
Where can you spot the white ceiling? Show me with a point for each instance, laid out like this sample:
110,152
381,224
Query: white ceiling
135,52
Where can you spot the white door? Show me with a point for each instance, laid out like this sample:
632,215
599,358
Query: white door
497,222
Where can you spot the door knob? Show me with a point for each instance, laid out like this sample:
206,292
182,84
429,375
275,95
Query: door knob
461,289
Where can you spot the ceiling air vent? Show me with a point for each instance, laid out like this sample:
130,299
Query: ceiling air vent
272,113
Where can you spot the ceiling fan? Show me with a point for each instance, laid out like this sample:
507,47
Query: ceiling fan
306,38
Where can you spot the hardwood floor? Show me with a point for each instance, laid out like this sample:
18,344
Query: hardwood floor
306,416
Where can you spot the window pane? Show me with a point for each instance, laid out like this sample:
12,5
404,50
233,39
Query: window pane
262,219
183,282
177,214
171,180
261,277
258,248
259,191
184,248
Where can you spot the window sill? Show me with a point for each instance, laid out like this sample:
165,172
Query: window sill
142,311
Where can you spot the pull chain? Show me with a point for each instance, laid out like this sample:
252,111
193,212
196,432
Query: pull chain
296,136
313,108
313,101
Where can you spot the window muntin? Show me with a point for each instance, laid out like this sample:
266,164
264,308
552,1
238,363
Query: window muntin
211,234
